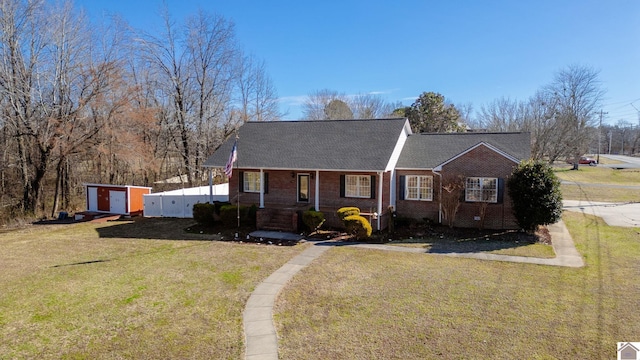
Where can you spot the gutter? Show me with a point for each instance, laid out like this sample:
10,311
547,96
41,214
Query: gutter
435,171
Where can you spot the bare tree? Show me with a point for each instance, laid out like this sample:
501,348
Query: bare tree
502,115
466,111
194,67
316,103
331,105
258,96
452,192
48,78
370,106
577,93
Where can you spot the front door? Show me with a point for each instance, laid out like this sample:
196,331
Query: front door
303,187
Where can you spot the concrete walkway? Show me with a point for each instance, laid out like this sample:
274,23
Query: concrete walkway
614,214
566,253
260,334
261,339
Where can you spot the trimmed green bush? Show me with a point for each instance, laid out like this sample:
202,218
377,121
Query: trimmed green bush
312,219
535,193
203,213
220,204
358,226
229,215
347,211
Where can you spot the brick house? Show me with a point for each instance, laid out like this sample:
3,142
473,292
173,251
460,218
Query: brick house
379,166
481,162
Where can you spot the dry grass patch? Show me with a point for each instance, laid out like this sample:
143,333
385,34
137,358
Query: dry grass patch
358,304
599,193
143,290
599,175
592,183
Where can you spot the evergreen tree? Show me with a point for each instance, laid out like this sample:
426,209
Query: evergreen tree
535,193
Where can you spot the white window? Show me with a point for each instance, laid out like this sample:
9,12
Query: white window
480,189
358,186
251,181
419,188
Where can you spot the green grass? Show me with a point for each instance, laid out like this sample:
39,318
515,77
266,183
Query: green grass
599,175
592,193
590,180
358,304
143,290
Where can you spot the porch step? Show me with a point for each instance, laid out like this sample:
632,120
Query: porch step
277,220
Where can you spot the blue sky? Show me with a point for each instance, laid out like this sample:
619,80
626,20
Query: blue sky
469,51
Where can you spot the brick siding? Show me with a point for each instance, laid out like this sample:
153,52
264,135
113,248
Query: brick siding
282,193
479,162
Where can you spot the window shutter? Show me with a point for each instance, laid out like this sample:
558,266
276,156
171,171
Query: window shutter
500,190
266,183
402,186
241,181
342,180
373,186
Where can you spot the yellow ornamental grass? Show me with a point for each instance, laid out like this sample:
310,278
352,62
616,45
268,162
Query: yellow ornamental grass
347,211
358,226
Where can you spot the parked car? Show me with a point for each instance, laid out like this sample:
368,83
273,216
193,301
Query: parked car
588,160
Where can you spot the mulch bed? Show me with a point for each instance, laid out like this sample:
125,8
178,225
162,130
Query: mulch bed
454,239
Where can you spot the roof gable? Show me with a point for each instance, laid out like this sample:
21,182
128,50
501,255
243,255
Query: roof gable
429,151
355,145
493,148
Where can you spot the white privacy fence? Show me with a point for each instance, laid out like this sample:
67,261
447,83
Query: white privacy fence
179,203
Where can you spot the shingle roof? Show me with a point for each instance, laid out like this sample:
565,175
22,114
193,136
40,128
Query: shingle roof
364,145
427,151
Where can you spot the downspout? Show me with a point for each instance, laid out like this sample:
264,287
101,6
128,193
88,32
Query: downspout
439,196
317,200
210,186
380,180
261,188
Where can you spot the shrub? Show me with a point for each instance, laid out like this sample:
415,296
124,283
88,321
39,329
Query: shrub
203,213
229,215
535,193
358,226
312,219
347,211
219,204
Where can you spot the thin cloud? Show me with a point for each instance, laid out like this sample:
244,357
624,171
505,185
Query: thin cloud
293,100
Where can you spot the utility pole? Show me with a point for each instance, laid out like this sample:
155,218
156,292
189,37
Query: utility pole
599,134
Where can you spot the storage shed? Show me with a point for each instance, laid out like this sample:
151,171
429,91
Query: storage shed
116,199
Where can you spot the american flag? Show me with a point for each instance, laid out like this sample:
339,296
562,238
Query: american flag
228,169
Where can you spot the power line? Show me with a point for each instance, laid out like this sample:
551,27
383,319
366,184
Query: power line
622,102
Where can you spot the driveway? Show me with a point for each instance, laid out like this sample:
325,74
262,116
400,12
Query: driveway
614,214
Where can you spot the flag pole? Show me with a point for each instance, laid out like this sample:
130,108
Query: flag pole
238,189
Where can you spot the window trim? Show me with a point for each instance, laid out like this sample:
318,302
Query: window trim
298,176
419,180
245,182
481,189
359,187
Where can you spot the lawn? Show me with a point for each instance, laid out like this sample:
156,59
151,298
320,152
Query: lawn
597,183
138,290
360,304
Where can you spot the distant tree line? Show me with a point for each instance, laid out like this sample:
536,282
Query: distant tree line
562,116
102,102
